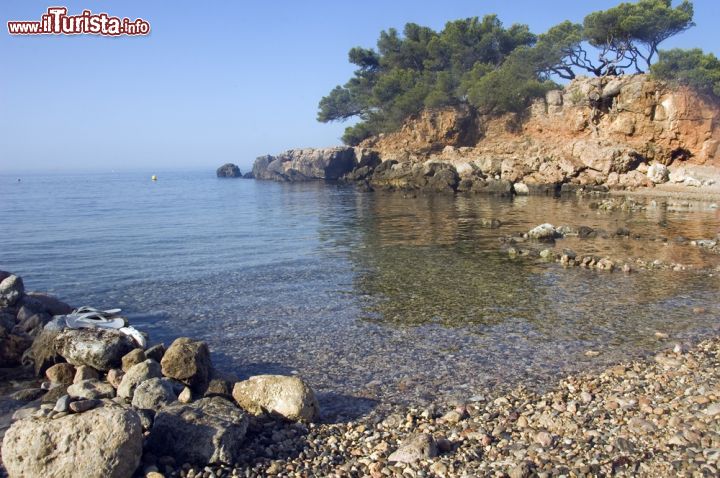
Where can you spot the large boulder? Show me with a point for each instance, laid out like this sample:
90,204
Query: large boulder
11,290
98,348
136,375
101,443
306,164
284,396
229,170
209,430
187,361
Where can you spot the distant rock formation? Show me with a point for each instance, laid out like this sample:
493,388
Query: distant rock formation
306,164
229,170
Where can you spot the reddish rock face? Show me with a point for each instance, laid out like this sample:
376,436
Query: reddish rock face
594,129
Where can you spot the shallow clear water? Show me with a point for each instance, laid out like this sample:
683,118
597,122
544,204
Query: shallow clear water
375,298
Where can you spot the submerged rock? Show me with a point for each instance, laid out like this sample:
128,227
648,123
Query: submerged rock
543,232
209,430
285,396
101,443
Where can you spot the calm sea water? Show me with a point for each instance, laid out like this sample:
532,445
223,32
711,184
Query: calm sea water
376,298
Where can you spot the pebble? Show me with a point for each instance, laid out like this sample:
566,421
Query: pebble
185,396
626,420
62,404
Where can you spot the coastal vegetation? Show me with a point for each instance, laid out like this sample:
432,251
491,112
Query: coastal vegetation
481,64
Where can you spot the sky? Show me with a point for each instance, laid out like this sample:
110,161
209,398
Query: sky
215,82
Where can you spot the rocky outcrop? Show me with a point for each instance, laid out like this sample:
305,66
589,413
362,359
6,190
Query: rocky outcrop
209,430
306,164
619,132
597,133
229,170
104,442
283,396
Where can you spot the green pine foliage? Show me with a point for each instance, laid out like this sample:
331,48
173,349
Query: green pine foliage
693,68
495,69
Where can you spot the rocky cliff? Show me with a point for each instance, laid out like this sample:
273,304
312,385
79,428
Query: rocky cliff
616,132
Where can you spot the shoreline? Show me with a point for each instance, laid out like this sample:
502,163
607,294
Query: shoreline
683,193
639,418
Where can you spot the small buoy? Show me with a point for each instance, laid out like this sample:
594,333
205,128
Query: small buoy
154,178
19,179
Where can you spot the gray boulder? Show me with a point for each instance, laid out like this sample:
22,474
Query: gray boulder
11,290
97,348
153,394
136,375
306,164
187,361
284,396
209,430
101,443
229,170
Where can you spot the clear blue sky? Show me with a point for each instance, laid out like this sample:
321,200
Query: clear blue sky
215,81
